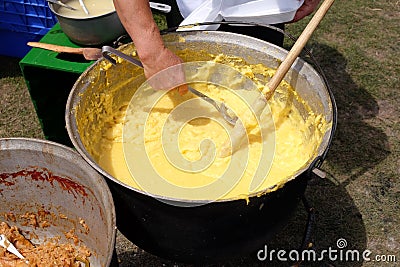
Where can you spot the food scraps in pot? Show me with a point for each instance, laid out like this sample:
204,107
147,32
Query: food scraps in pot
49,253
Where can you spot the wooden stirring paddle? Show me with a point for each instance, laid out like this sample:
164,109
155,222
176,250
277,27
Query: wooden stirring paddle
88,53
239,132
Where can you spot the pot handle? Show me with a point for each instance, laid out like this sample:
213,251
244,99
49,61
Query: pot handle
314,168
107,50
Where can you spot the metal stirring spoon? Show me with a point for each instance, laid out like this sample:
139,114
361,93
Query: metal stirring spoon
58,2
83,7
222,109
5,243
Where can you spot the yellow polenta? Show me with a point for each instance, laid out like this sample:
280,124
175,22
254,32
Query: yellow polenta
277,147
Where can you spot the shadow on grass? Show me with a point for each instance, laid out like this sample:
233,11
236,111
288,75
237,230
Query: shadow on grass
336,217
9,67
357,146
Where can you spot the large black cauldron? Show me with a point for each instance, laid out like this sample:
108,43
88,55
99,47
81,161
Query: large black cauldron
219,230
213,232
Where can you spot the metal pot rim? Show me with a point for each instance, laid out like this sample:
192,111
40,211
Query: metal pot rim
24,143
75,137
81,19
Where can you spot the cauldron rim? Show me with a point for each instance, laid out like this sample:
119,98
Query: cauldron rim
314,162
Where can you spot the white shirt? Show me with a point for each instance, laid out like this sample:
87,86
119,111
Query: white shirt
187,7
258,11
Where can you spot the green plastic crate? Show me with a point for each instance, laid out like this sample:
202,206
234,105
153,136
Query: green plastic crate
50,77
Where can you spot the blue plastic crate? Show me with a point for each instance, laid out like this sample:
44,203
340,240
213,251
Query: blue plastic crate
22,21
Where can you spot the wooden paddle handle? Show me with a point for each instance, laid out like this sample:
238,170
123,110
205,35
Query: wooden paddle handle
296,49
238,131
57,48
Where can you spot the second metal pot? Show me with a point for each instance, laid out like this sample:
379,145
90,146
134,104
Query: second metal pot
97,30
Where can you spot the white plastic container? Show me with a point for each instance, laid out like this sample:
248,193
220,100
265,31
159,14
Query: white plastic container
261,11
255,11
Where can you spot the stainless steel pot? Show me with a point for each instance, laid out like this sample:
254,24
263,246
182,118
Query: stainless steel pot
38,175
215,231
97,30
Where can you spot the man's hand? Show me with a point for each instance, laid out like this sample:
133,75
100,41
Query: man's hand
137,18
306,9
165,71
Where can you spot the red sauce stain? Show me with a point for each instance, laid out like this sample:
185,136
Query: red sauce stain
4,179
43,174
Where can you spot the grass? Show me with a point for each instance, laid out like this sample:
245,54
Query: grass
357,47
17,116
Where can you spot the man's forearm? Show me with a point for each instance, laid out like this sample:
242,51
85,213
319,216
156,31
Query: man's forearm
137,18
